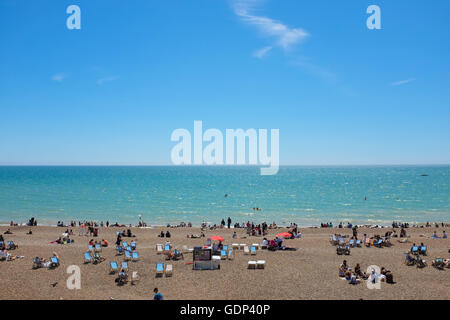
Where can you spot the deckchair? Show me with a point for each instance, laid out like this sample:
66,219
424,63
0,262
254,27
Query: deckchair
253,250
113,267
12,245
415,250
339,250
37,263
4,256
167,247
135,256
252,264
159,248
423,250
169,270
256,245
127,255
2,245
358,243
333,239
125,265
98,247
54,262
230,254
135,277
87,257
347,250
263,246
351,243
225,247
341,241
378,243
260,264
91,248
124,244
223,254
119,250
235,246
133,246
242,246
408,260
129,249
438,263
159,269
246,251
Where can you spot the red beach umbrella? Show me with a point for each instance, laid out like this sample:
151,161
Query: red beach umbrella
284,235
217,238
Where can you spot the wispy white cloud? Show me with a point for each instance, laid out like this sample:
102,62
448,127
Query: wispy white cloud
402,82
59,77
284,36
107,79
262,52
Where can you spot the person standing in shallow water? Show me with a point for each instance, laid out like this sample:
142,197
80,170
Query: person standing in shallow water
229,222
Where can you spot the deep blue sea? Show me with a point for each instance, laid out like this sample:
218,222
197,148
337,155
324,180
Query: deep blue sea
305,195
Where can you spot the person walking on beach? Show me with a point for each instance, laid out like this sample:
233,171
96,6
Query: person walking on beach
158,295
229,222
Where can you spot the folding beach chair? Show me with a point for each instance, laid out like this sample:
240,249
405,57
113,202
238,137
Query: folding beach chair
167,247
341,241
225,247
169,270
135,278
2,245
415,250
253,250
339,250
223,254
128,256
54,262
351,243
91,248
379,243
159,269
119,250
87,257
347,250
135,256
125,265
129,249
4,256
256,245
124,244
252,264
358,243
98,247
113,267
230,254
408,260
159,248
37,263
242,246
246,250
12,245
423,250
263,246
133,246
438,263
260,264
235,246
334,240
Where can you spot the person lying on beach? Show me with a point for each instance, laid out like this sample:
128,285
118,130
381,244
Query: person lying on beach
30,232
174,255
8,231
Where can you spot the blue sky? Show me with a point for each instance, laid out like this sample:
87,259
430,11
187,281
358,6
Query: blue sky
113,92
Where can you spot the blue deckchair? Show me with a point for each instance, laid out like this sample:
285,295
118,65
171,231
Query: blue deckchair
252,250
98,247
119,250
113,266
124,244
129,248
358,243
423,250
225,247
133,245
54,262
351,242
223,254
135,256
378,243
87,257
127,255
159,269
91,247
125,265
415,250
167,247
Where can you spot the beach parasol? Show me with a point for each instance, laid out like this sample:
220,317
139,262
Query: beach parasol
284,235
217,238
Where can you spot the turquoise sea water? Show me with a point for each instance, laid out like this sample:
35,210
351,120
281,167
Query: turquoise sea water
306,195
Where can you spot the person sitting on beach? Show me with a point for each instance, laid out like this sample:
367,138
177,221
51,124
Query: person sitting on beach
359,272
168,234
161,235
402,233
130,235
444,235
119,240
264,243
234,235
122,277
8,231
104,243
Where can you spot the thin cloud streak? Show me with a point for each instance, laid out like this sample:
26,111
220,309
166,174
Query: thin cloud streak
59,77
107,79
285,37
262,52
402,82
